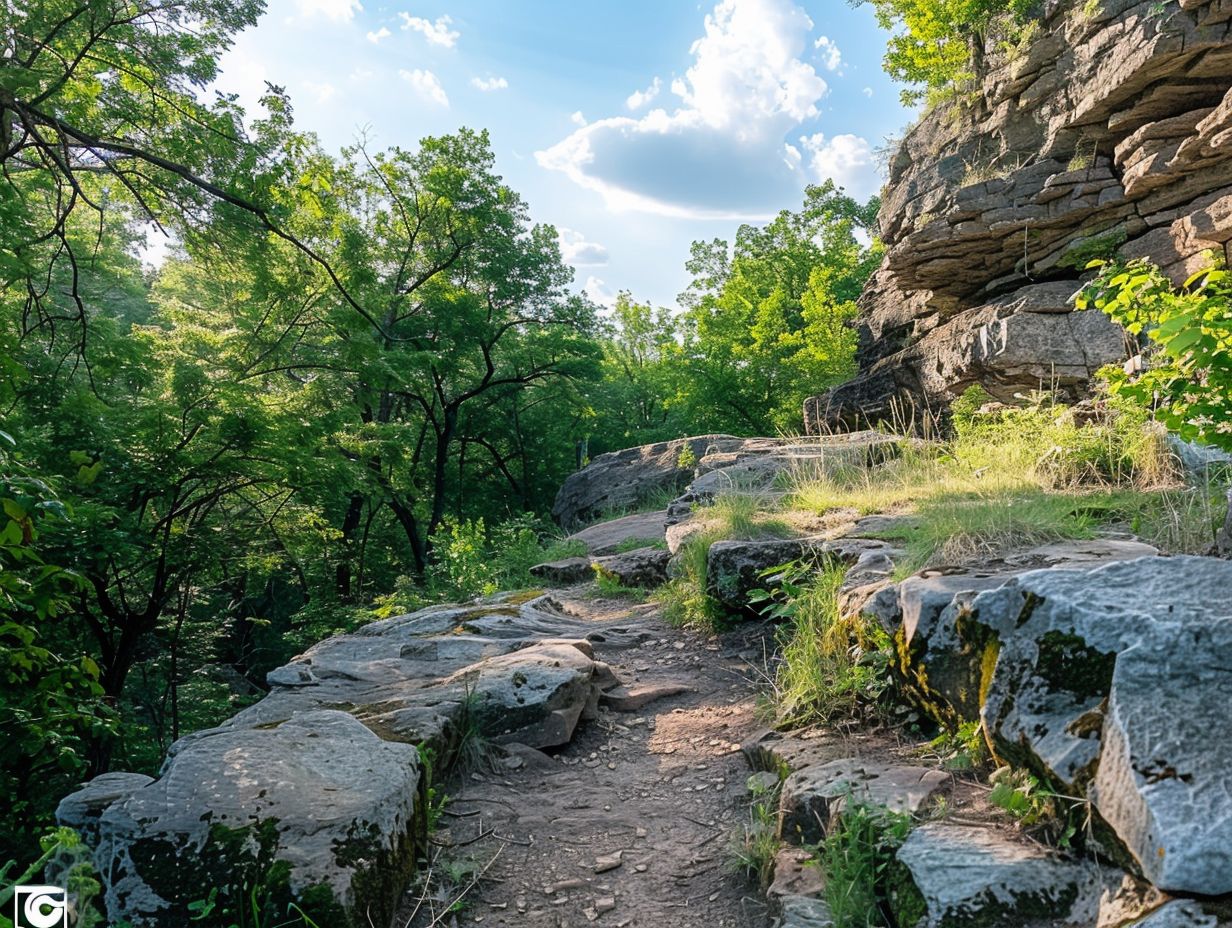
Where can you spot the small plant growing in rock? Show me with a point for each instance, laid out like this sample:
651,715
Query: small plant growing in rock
687,459
755,843
865,885
962,749
1051,816
609,584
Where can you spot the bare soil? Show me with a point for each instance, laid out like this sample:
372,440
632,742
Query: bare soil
628,826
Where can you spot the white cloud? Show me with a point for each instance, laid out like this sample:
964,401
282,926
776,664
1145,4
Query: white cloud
336,10
577,118
845,159
243,75
831,56
868,91
489,84
376,37
576,250
721,152
426,85
599,292
437,33
640,98
324,92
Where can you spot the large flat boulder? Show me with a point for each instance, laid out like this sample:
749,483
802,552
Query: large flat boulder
321,808
320,780
610,536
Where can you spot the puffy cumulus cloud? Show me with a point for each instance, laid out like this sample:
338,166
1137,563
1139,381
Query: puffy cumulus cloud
380,34
577,118
323,92
640,98
599,292
426,86
831,56
576,250
488,84
437,33
720,152
846,159
336,10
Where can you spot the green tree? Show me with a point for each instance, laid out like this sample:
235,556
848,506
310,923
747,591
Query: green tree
51,705
765,323
635,400
937,45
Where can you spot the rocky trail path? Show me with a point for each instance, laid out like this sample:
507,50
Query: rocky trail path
629,824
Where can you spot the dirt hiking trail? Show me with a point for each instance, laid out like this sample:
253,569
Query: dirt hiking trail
627,826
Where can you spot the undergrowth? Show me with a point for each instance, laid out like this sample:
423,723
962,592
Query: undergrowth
684,599
1017,477
864,881
830,665
755,843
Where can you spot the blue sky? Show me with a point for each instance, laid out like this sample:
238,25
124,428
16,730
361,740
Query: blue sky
633,126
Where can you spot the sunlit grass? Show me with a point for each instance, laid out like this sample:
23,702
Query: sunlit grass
1018,478
829,663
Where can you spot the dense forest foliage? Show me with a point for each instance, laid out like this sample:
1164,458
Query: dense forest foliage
353,387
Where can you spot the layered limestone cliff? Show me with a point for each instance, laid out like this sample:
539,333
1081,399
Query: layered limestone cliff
1110,133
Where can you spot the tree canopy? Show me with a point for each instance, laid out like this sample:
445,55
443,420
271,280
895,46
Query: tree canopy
353,386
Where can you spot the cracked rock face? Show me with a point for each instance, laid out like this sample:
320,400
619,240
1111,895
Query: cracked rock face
1115,680
1110,134
1108,674
970,875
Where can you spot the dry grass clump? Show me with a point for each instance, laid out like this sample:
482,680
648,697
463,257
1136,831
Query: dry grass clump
1015,477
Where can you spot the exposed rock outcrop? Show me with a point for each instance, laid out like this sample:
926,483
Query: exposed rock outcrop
621,480
696,470
1110,133
319,786
1107,681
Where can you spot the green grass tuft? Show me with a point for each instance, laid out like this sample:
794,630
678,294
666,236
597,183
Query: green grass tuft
830,665
863,877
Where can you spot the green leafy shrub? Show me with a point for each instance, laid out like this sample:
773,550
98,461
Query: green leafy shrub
1187,379
469,561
